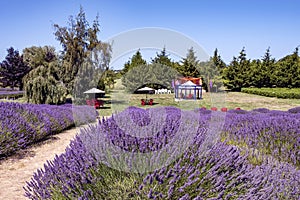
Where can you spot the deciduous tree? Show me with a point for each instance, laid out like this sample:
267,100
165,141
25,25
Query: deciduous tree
78,40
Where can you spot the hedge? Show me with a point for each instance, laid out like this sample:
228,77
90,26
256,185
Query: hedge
284,93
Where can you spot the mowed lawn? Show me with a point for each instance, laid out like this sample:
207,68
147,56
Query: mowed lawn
118,100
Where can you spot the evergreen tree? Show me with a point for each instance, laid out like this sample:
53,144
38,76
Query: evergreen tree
266,69
237,74
13,69
136,60
163,58
211,72
218,62
189,65
255,78
287,73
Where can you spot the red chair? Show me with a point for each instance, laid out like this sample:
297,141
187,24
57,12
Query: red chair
88,102
151,102
224,109
96,104
214,108
143,102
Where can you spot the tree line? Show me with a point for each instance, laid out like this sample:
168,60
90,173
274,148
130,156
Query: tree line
241,72
48,76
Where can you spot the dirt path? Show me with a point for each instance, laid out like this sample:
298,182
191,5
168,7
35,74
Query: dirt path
19,168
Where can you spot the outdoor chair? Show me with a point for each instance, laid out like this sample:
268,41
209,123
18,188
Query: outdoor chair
88,102
224,109
143,102
151,102
190,96
96,103
214,108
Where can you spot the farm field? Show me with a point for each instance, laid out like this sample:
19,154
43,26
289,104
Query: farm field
88,108
232,141
253,156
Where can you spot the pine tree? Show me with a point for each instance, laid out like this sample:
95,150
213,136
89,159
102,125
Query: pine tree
189,65
218,62
287,72
266,69
13,69
163,58
237,74
135,61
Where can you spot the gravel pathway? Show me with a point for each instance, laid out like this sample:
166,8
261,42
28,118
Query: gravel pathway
19,168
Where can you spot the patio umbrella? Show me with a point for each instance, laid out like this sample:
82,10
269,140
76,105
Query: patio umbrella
94,91
145,89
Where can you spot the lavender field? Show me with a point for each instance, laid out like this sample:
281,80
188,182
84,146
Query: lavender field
26,124
167,153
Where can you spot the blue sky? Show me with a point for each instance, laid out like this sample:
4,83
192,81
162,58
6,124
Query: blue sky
227,25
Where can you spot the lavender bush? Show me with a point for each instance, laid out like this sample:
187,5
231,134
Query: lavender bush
24,124
256,157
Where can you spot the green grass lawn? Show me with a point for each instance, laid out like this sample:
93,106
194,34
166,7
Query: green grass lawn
118,100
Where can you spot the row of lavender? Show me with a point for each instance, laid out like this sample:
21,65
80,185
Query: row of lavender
24,124
125,157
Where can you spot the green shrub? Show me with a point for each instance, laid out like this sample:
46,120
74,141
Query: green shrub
284,93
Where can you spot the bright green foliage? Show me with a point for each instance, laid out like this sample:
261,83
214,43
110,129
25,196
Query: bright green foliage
137,73
38,56
287,72
265,72
284,93
42,85
149,75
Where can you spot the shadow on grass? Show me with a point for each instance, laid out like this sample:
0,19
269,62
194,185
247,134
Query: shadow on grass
116,102
104,107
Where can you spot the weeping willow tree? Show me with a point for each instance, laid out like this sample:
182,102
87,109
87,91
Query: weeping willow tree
42,85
